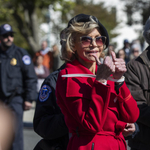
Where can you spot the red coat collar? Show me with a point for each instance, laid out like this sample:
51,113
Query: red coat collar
75,67
80,69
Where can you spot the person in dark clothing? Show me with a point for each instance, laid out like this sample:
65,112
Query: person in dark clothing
127,50
48,120
17,80
137,79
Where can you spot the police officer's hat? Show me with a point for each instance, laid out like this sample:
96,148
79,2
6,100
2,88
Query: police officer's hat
5,28
86,18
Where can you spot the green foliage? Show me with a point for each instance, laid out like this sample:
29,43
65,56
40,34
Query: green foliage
141,6
107,18
26,15
6,17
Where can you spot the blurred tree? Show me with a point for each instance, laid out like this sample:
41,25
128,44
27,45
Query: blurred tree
25,16
88,7
106,16
142,6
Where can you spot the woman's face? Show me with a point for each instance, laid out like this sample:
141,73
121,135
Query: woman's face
39,60
86,53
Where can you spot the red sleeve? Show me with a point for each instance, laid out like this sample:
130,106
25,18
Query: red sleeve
128,109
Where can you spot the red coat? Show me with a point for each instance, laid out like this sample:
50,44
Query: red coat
94,113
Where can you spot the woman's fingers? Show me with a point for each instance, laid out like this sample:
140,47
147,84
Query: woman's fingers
109,63
97,60
113,55
120,66
105,69
110,66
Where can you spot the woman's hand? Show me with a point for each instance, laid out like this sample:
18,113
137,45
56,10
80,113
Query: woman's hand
105,69
120,67
129,130
115,66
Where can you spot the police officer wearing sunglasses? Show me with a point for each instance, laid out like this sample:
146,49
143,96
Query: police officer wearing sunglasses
93,97
17,80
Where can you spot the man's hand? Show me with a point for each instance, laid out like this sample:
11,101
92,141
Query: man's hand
27,105
129,130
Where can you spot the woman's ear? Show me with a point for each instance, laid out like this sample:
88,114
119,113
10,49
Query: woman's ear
74,50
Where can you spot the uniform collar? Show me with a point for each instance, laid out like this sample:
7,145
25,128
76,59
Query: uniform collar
9,52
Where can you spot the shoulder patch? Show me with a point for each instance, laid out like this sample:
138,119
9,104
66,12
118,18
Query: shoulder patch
44,93
26,59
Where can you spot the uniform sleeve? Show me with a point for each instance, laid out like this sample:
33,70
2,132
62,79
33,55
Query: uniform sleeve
48,120
133,82
29,78
90,114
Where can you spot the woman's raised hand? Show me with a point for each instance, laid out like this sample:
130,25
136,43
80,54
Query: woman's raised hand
105,69
115,66
120,66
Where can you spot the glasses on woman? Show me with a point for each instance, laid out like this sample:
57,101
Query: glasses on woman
87,40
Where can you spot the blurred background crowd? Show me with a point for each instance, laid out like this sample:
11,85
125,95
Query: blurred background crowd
36,21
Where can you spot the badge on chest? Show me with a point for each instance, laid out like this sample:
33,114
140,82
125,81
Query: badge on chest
13,61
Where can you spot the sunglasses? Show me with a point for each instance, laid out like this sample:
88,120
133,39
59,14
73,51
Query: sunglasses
7,35
87,40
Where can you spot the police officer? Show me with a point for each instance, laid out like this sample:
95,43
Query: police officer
17,80
48,120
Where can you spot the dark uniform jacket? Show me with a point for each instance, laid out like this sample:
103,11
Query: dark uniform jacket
138,81
17,75
48,120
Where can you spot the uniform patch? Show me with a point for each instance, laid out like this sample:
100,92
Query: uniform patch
44,93
26,59
7,27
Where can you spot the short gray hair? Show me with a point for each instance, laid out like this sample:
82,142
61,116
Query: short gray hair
146,32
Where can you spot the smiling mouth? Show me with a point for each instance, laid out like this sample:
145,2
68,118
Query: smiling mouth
91,52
